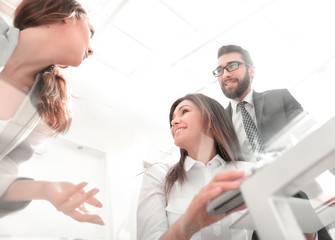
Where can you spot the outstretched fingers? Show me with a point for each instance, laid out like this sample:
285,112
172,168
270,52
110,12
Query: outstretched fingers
76,209
92,201
86,217
71,199
79,198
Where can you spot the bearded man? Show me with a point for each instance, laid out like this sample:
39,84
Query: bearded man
270,111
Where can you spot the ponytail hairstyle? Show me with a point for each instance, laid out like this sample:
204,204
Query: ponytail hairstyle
225,138
52,98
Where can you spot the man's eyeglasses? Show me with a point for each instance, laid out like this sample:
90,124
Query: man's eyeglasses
232,66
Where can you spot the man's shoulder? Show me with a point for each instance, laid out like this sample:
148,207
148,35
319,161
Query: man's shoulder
272,94
272,91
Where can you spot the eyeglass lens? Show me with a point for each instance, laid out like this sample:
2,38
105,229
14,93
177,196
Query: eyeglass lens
229,67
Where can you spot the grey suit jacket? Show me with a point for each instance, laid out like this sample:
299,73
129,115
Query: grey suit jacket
274,110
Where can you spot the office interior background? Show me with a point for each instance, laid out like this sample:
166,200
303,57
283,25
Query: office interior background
148,53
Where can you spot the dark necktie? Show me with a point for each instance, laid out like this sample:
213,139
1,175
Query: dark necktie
251,130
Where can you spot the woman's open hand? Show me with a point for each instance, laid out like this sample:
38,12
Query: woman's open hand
70,199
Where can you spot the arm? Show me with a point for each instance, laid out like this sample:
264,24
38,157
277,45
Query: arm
152,221
292,106
66,197
8,174
196,217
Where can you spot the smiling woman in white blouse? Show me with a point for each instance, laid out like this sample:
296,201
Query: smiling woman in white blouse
172,202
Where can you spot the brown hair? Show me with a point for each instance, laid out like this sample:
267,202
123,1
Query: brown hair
52,90
225,138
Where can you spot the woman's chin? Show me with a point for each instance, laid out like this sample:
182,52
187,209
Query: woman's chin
76,64
73,63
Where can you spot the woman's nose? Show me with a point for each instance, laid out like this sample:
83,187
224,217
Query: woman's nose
90,51
175,121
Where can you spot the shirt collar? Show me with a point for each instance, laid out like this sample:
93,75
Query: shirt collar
247,99
190,162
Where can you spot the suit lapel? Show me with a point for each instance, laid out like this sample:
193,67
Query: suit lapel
230,110
258,99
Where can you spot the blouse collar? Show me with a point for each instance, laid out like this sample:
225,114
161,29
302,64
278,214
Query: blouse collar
190,162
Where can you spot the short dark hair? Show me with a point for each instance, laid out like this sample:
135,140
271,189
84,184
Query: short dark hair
234,48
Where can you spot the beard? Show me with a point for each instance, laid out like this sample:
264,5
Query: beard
237,92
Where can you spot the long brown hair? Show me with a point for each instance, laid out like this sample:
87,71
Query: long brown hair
225,138
53,97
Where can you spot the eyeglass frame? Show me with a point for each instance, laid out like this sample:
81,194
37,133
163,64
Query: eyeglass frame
225,67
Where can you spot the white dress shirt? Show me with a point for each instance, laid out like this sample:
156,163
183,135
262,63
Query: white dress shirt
239,128
156,211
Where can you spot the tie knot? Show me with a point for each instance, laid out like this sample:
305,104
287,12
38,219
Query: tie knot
241,104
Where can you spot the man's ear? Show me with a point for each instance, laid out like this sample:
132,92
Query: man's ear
251,72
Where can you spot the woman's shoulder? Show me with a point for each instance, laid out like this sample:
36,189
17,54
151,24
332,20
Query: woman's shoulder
155,172
160,168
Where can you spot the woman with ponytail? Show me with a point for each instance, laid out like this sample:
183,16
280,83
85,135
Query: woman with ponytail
173,199
172,202
34,99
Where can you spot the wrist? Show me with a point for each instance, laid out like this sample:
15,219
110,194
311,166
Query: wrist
188,227
23,190
34,189
43,190
182,229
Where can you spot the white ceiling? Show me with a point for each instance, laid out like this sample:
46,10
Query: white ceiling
147,53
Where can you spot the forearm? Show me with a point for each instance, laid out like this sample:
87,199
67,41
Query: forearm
24,190
64,196
181,230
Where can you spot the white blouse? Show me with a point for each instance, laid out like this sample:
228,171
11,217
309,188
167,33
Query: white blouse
156,212
19,138
21,134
